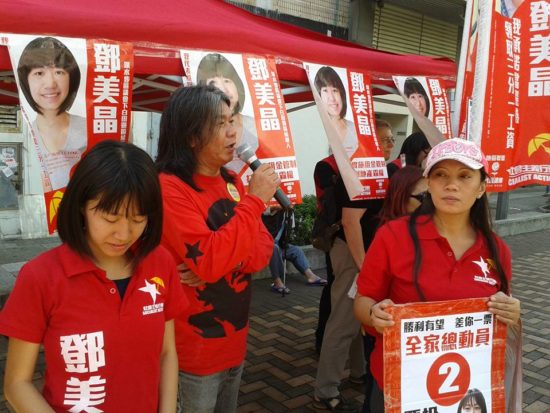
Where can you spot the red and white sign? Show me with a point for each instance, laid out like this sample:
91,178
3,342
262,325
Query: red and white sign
510,116
73,93
252,85
109,97
344,102
427,96
438,354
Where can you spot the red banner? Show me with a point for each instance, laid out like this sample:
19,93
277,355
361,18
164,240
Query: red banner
272,123
252,85
344,102
531,28
108,91
443,356
513,99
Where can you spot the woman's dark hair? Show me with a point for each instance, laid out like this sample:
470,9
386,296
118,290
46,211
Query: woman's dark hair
216,65
112,172
327,76
401,186
188,123
412,85
412,146
480,219
48,52
471,396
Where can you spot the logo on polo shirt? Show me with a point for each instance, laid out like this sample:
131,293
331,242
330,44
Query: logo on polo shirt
485,266
153,289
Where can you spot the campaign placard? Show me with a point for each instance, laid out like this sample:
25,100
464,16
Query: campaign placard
428,97
73,93
344,101
442,356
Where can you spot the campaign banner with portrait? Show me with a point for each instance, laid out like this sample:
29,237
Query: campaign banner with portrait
444,357
252,85
511,100
73,93
426,97
344,101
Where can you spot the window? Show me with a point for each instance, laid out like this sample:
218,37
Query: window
11,182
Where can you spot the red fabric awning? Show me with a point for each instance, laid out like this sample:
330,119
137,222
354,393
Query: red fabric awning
160,28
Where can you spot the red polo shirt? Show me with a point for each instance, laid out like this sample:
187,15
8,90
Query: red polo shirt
387,271
101,352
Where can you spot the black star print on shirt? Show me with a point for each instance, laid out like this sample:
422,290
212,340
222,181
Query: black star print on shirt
193,251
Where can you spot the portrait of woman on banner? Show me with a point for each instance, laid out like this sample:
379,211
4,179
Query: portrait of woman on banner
472,402
508,7
417,96
334,99
49,78
216,70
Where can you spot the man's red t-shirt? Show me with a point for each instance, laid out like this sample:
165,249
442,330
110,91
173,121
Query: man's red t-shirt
218,233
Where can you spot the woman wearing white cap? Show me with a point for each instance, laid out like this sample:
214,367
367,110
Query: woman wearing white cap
445,245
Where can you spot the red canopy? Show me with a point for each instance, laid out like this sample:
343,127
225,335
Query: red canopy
158,29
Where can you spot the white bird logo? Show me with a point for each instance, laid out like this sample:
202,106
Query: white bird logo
483,266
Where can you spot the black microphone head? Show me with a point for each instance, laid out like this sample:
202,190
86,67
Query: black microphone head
245,152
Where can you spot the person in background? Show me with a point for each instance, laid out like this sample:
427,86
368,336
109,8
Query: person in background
405,194
102,303
49,78
417,96
275,220
325,176
442,245
414,150
342,331
214,231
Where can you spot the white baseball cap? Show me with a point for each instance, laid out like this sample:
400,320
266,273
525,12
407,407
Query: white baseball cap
457,149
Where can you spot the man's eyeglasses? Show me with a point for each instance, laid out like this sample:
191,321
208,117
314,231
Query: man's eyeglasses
387,140
420,196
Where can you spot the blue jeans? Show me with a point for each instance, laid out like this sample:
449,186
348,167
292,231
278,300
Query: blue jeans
293,253
215,393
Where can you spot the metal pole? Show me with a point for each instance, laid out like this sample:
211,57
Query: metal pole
503,201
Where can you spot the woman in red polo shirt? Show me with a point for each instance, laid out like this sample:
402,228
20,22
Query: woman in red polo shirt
103,302
442,245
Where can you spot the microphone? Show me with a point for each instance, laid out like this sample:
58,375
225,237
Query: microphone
247,155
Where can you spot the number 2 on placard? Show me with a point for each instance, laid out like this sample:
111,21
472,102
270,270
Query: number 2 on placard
451,370
448,379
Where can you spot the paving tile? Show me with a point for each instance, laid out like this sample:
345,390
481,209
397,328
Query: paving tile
537,407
